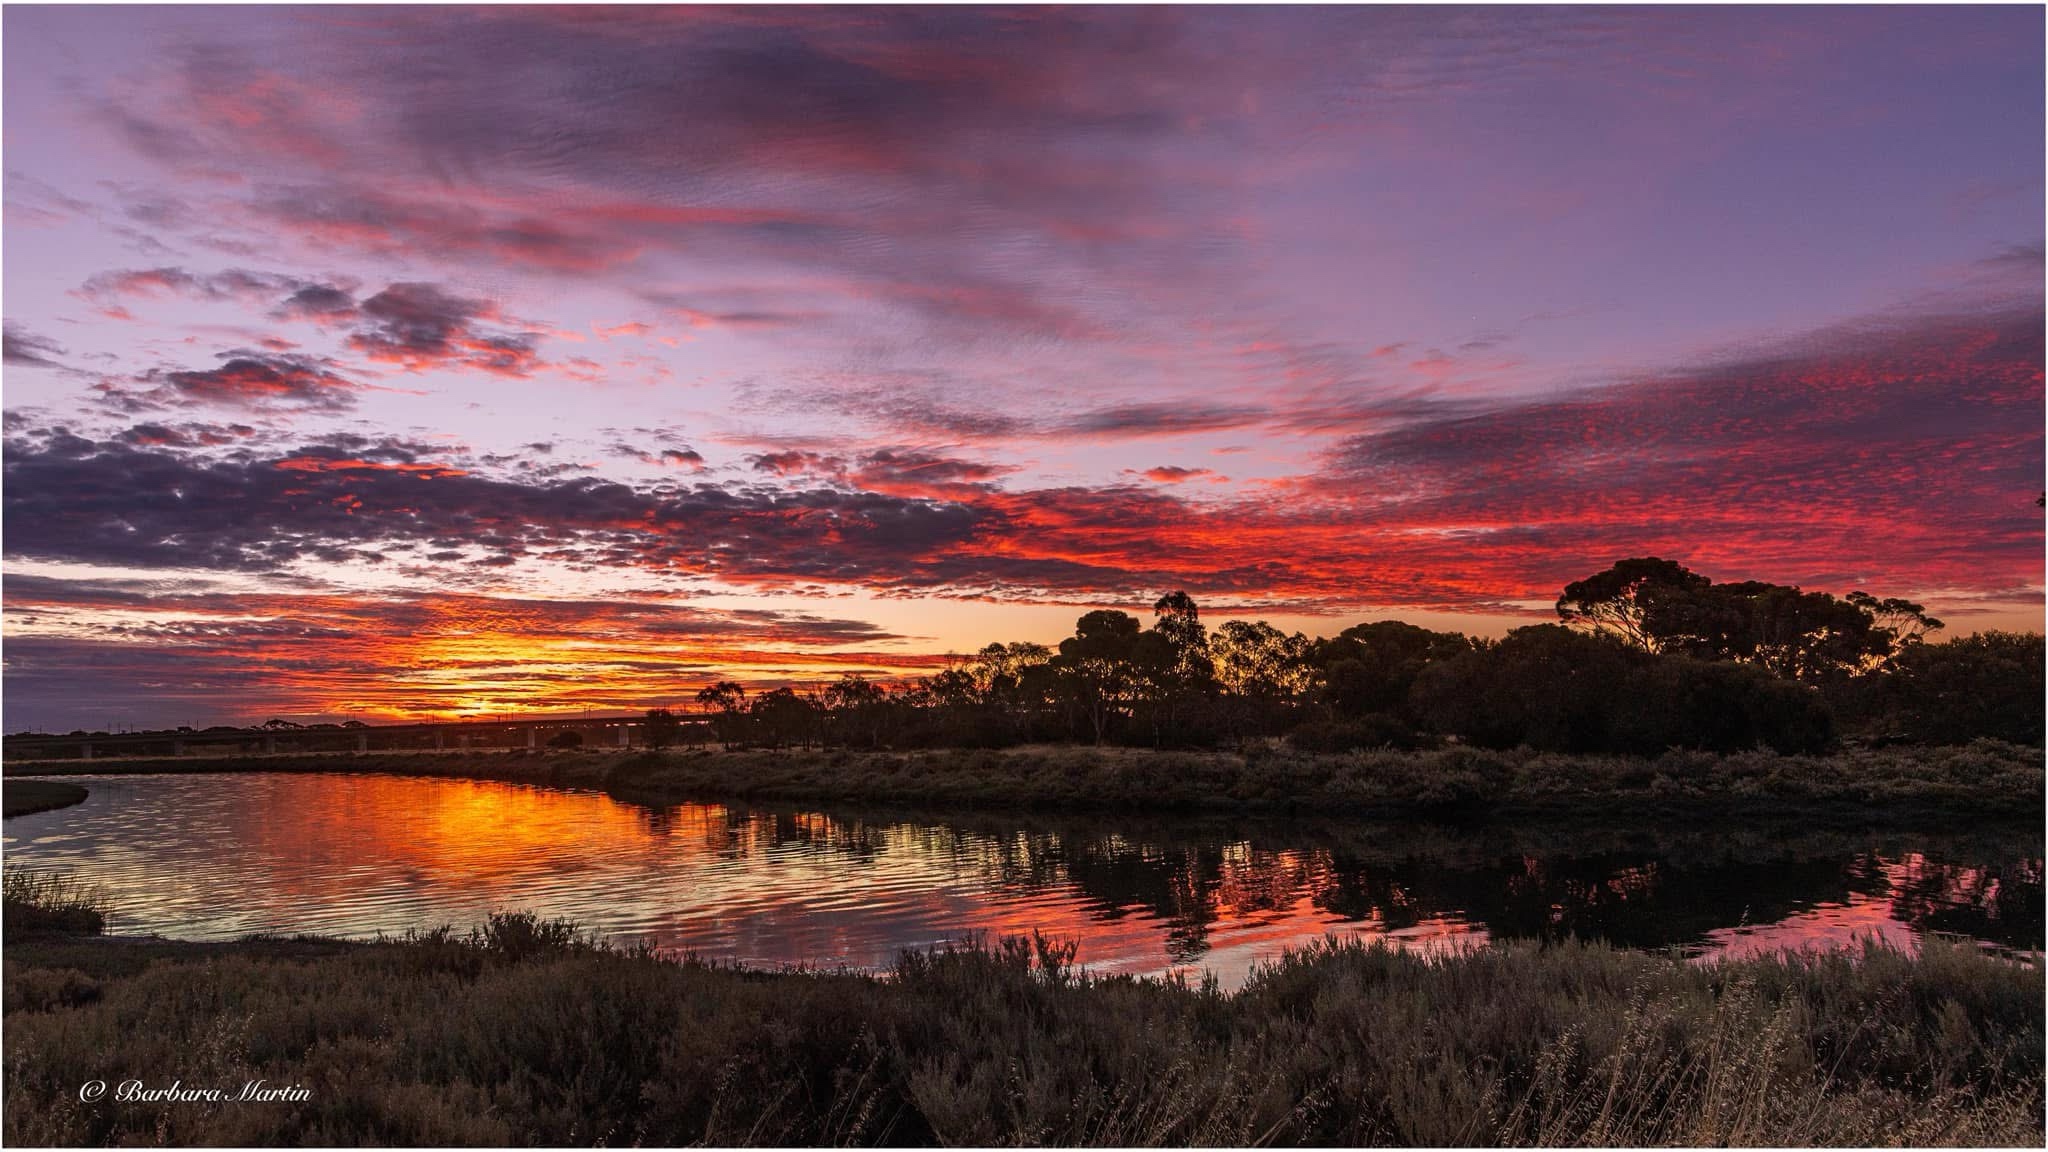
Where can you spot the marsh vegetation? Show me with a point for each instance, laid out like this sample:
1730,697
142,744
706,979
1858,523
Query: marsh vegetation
525,1031
1855,785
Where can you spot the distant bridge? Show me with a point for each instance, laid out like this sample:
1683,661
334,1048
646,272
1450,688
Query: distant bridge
595,731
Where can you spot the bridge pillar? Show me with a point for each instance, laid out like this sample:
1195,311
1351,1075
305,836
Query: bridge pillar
531,735
362,741
625,736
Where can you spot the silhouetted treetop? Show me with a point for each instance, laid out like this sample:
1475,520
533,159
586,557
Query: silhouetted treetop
1660,606
1650,656
1626,598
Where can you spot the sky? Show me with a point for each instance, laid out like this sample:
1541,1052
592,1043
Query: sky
438,361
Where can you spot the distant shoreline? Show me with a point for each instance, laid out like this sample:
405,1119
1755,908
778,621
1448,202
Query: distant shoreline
1987,779
26,797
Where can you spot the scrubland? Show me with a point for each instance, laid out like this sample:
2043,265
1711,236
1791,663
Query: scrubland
526,1031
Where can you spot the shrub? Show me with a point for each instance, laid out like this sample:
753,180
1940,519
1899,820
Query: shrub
1987,685
1555,690
517,936
1375,730
51,902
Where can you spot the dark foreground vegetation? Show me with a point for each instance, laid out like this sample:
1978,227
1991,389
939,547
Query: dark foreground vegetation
37,902
526,1032
1921,786
21,797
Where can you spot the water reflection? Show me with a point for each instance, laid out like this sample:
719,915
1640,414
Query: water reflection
212,857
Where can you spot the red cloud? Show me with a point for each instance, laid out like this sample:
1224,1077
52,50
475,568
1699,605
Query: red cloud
419,326
1905,460
1171,474
250,381
328,464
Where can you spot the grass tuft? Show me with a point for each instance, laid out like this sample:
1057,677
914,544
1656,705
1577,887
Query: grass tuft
49,902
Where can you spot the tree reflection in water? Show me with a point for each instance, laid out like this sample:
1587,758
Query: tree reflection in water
358,855
1649,888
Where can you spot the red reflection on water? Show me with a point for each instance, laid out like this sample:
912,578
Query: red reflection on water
1916,891
359,855
1824,927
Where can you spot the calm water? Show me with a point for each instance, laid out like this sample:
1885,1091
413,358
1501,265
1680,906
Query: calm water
207,857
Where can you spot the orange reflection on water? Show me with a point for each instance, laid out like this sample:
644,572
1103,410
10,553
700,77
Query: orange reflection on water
223,856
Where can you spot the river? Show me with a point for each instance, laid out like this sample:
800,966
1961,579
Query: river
220,856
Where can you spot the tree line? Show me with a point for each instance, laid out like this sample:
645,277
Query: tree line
1645,656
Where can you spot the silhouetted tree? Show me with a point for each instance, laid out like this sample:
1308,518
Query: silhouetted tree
1987,685
1255,660
660,728
1182,672
1908,622
1661,658
1178,622
1624,599
856,706
1368,669
1101,668
1262,673
725,702
1792,633
1012,685
953,688
1001,672
1557,690
1659,606
785,716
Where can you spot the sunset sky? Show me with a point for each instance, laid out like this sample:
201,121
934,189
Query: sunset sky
435,361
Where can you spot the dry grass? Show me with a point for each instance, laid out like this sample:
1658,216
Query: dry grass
528,1032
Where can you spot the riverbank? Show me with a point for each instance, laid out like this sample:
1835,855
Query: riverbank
22,797
526,1033
1987,779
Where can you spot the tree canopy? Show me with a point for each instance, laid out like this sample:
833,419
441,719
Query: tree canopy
1649,655
1660,606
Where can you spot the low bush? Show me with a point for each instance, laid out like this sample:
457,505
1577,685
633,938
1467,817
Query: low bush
1374,730
459,1039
